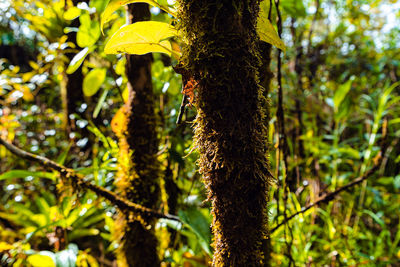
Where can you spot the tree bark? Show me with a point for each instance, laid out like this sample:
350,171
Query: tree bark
72,94
140,168
231,131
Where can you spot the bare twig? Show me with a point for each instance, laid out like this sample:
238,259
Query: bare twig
181,109
78,179
329,196
282,142
317,5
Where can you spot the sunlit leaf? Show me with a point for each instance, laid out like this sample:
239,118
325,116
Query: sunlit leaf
266,30
113,5
76,62
41,261
142,38
93,81
89,31
72,13
5,246
350,151
78,233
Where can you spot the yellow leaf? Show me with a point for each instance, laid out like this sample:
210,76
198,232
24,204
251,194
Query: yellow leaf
5,246
141,38
267,32
40,261
113,5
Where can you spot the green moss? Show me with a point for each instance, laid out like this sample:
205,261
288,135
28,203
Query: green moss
223,57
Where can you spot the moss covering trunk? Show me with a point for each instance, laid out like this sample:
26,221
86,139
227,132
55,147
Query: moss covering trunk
231,130
139,168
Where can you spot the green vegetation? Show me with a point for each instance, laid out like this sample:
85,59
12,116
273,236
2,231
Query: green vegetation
202,133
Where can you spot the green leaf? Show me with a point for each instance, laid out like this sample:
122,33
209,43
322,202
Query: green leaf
78,233
396,182
375,217
76,62
141,38
100,103
23,174
93,81
344,109
294,8
350,151
199,224
113,5
266,30
100,5
40,261
89,31
44,208
61,158
341,92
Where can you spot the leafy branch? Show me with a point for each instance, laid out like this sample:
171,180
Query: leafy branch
79,180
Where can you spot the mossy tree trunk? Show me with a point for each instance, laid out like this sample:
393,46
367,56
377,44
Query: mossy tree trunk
139,167
231,130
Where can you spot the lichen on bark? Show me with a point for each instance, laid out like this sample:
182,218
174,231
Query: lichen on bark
223,56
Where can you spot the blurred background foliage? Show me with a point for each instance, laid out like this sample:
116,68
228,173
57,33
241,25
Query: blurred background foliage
341,106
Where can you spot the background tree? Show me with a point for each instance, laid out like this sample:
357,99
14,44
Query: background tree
138,163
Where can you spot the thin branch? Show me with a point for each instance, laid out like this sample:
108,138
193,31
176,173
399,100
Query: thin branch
181,110
328,197
78,179
282,142
317,4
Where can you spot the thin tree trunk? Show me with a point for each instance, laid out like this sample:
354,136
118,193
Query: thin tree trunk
139,167
230,132
72,94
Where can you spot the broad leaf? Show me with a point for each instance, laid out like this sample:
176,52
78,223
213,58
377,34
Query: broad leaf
72,13
199,224
141,38
89,31
93,81
266,30
37,260
113,5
